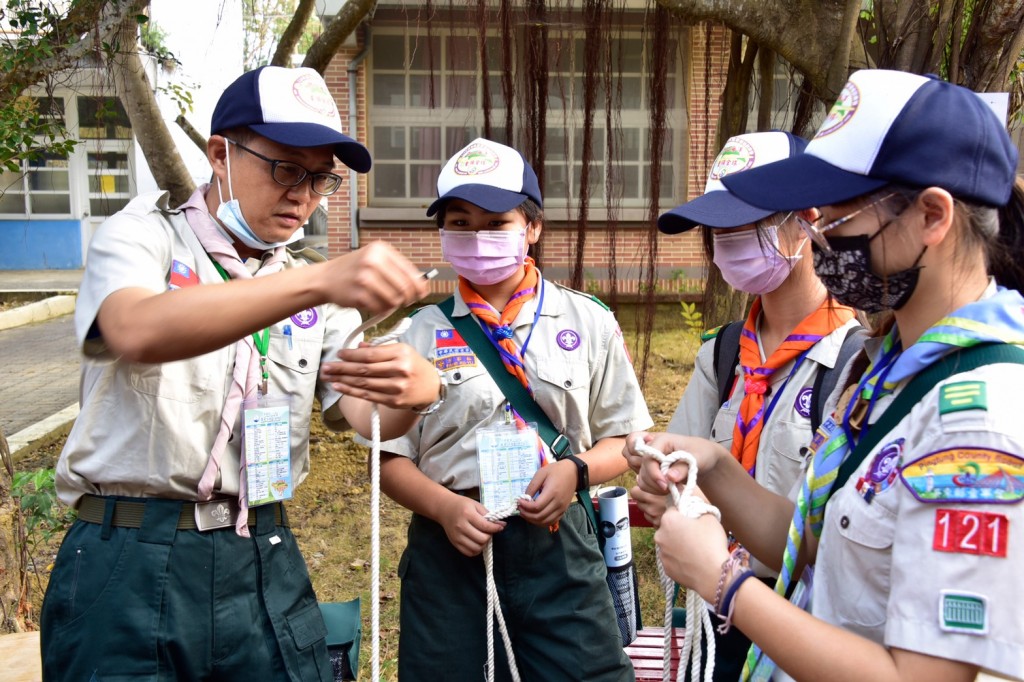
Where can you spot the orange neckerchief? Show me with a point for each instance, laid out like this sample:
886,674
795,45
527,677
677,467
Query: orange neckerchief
498,325
747,433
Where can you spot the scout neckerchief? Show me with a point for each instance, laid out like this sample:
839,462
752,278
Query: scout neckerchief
752,414
246,375
498,327
996,319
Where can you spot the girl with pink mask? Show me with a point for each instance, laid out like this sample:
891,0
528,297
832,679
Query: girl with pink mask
757,384
566,350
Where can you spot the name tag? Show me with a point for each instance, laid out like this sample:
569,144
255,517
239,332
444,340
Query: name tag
266,434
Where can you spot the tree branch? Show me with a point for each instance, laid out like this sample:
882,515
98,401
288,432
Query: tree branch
290,38
88,24
323,49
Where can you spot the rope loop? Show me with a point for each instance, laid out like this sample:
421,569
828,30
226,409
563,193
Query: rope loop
692,506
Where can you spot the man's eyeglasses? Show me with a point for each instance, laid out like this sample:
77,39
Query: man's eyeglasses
290,174
817,234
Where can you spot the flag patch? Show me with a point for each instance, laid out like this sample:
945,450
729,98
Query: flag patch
181,276
451,350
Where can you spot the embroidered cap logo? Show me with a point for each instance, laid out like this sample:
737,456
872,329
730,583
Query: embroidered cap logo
842,111
737,155
476,160
311,93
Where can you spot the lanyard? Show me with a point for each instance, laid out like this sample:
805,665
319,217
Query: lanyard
260,339
885,365
782,388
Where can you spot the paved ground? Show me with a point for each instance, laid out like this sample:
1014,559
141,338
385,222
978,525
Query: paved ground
39,389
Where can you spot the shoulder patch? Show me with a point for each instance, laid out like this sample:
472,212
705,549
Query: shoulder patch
711,333
964,612
970,475
962,395
598,301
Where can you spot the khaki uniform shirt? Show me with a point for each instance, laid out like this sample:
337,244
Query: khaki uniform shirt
146,430
931,559
782,447
576,362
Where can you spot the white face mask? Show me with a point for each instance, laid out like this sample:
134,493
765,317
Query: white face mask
485,257
749,266
229,213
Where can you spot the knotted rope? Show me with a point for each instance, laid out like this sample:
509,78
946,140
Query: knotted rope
691,506
390,337
493,605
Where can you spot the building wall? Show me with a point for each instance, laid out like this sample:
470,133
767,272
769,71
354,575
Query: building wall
678,256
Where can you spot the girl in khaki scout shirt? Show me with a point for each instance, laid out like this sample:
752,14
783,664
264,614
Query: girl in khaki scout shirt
914,566
794,338
567,349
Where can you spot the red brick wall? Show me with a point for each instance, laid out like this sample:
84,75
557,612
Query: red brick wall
676,253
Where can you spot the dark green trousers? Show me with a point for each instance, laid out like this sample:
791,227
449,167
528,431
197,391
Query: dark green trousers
553,595
157,603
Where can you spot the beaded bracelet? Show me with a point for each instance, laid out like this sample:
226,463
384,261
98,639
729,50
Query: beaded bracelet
729,601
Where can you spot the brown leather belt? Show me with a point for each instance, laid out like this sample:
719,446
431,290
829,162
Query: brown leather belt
218,513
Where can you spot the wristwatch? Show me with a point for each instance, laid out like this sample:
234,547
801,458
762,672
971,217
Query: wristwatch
582,473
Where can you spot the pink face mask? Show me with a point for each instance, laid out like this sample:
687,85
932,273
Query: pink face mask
485,257
748,265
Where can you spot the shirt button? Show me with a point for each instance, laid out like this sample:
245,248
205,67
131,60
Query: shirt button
844,522
457,376
567,383
302,362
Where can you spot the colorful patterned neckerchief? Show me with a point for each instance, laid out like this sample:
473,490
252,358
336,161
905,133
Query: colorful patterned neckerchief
996,319
752,414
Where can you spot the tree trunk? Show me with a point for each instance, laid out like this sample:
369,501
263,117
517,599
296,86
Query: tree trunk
136,93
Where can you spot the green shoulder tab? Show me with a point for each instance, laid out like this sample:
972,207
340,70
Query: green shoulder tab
711,333
963,395
598,301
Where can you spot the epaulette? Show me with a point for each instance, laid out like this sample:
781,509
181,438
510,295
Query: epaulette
308,253
711,333
584,294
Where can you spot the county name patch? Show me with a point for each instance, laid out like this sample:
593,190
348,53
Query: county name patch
451,350
974,475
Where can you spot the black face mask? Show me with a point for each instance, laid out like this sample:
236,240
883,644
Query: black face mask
846,273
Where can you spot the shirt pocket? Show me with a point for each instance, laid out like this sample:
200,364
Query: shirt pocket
472,396
787,451
184,381
564,394
862,548
723,426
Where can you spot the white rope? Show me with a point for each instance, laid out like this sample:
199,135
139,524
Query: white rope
691,506
493,604
399,329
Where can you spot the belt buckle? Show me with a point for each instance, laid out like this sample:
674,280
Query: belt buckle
216,514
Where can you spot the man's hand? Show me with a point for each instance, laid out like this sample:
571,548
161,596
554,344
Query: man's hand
393,374
374,279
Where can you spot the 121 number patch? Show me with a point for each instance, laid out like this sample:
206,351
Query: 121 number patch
970,532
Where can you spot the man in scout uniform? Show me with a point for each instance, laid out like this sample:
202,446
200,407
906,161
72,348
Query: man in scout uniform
202,338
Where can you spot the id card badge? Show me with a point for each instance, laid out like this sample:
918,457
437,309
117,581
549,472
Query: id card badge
266,437
508,458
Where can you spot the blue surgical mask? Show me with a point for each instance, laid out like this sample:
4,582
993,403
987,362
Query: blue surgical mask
229,213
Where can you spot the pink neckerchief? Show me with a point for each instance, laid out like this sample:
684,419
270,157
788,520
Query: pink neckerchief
245,375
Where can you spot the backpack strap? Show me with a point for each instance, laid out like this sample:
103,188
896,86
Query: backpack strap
827,377
956,362
726,357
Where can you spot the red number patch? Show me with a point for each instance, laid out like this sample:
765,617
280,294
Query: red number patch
970,532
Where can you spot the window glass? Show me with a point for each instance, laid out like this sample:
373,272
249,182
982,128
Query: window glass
389,52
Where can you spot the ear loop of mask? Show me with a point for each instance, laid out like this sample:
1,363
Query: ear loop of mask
227,162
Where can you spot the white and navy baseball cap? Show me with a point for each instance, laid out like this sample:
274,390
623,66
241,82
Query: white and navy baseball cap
718,207
488,174
892,127
292,107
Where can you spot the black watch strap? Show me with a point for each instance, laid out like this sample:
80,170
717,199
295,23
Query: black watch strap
582,472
